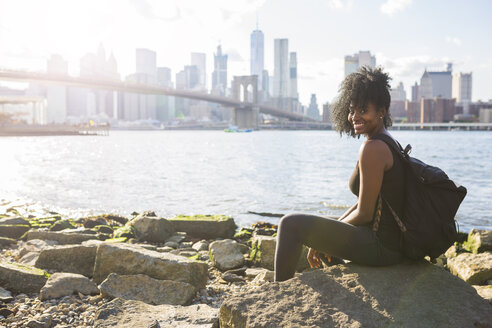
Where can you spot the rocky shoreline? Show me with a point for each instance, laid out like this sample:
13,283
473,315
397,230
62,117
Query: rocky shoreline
202,271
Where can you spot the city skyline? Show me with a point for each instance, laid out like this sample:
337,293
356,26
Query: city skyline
405,36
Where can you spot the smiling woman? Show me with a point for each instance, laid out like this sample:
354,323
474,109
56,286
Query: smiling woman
366,233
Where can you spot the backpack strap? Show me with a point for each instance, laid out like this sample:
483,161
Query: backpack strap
403,154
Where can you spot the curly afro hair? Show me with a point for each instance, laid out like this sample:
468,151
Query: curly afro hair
368,85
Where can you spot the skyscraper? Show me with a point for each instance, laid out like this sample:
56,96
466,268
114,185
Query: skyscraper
362,58
145,62
312,110
199,60
293,76
257,56
281,68
219,75
436,84
462,90
56,95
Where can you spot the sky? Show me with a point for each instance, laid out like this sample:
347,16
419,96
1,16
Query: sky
406,36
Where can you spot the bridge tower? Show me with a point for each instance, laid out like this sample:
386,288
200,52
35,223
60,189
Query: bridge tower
245,89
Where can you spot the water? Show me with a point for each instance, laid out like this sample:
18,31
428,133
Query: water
212,172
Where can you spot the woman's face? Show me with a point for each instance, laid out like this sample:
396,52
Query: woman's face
367,121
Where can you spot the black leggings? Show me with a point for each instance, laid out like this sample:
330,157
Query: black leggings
355,243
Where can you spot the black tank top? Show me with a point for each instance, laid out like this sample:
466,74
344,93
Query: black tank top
392,190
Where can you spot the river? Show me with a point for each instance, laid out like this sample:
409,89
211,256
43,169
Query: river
212,172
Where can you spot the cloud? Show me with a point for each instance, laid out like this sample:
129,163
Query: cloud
391,7
346,5
156,11
454,40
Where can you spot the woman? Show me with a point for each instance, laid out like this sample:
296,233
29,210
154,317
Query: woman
362,108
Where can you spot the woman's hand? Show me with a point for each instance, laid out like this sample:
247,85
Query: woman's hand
313,258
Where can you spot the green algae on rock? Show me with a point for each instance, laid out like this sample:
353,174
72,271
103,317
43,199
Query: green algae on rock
205,226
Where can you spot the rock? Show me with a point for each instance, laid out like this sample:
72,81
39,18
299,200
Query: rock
165,249
21,278
13,231
129,314
44,321
171,244
203,256
35,245
62,225
263,253
152,228
479,241
65,284
187,253
5,295
29,258
475,269
226,254
7,241
253,272
91,222
349,295
68,258
177,237
202,245
239,271
263,277
103,229
14,221
127,260
231,277
62,238
485,292
205,226
244,248
143,288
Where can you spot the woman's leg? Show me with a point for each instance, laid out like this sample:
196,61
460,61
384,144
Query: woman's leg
358,244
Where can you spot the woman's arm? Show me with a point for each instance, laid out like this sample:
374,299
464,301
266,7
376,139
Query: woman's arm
347,212
374,158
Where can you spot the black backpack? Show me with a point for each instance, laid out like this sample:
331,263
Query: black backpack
430,205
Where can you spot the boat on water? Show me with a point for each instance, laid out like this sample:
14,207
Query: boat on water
235,129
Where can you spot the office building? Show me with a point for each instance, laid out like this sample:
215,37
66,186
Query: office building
257,56
462,90
313,111
281,68
293,76
219,75
415,92
164,104
398,98
354,62
436,84
326,113
199,60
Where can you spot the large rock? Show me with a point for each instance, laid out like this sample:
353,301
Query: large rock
405,295
14,221
205,226
127,260
35,245
68,258
263,253
13,231
226,254
152,228
475,269
129,314
479,241
143,288
20,278
63,284
63,238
